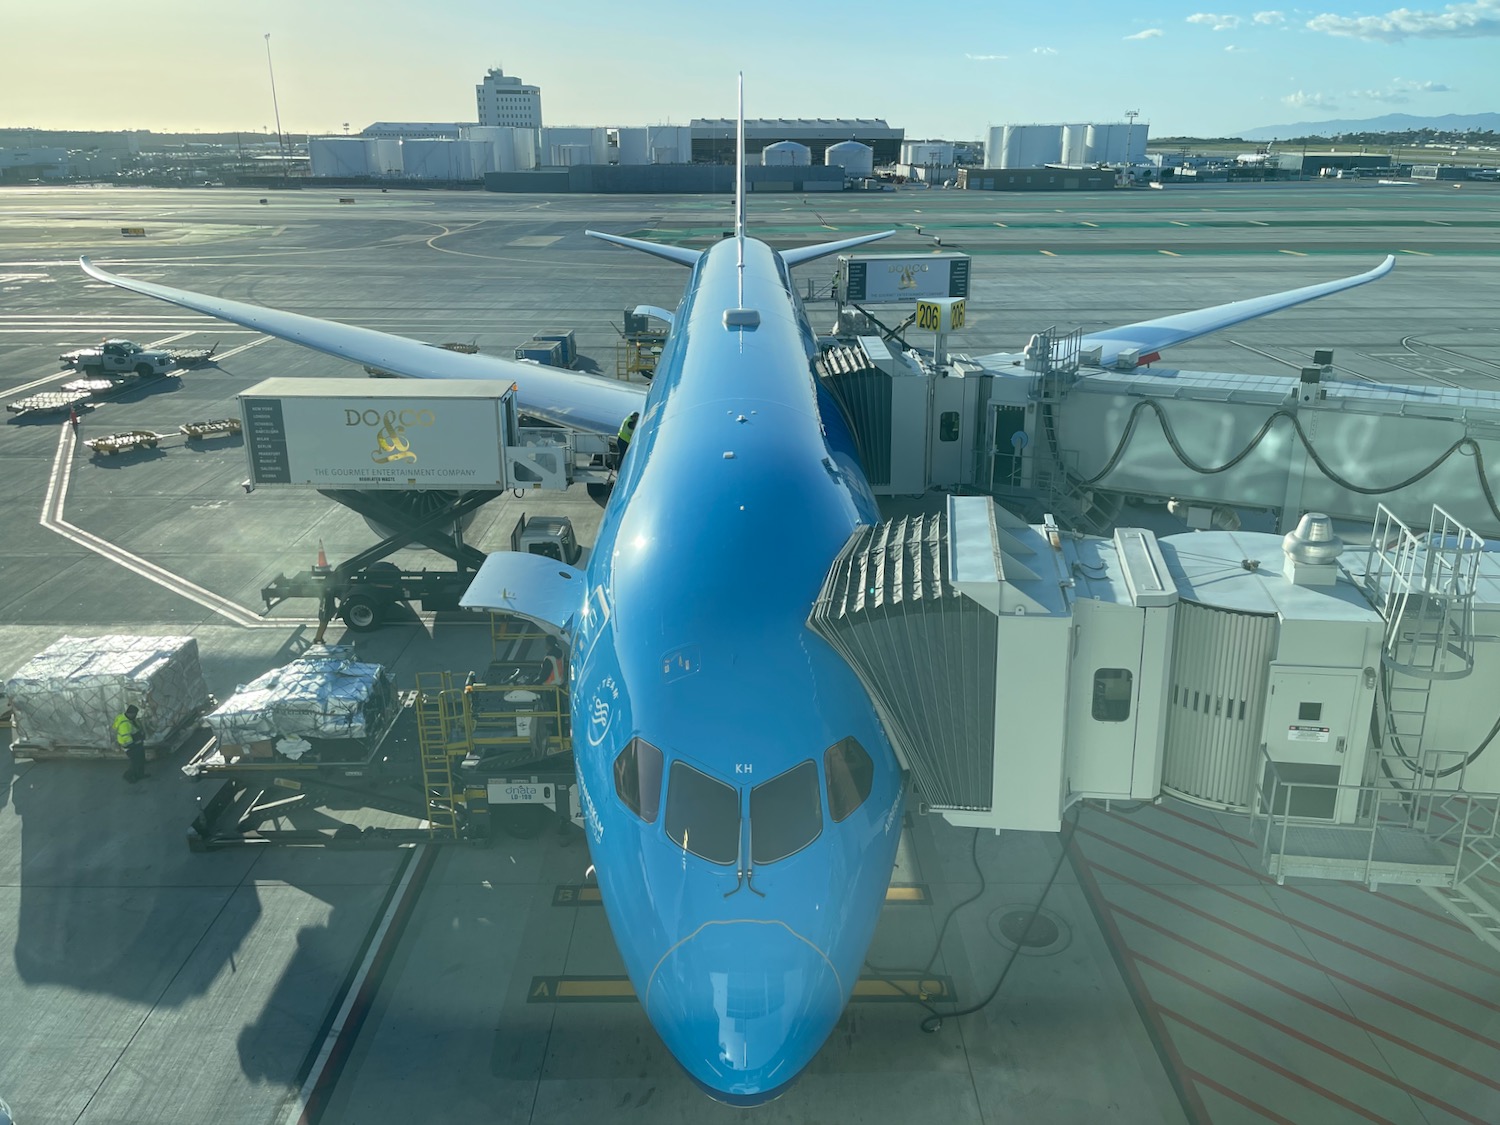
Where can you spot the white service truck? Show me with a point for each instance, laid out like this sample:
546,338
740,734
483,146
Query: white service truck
118,357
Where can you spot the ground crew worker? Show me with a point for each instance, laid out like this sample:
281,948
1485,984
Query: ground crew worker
627,431
128,738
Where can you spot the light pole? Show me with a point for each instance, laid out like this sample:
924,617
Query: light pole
276,108
1130,116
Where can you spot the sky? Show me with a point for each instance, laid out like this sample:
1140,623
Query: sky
948,70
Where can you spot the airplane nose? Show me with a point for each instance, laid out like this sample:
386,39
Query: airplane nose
744,1006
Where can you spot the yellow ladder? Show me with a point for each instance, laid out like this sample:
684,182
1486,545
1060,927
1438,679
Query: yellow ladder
438,727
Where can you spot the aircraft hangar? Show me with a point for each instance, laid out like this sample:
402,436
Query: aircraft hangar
1203,902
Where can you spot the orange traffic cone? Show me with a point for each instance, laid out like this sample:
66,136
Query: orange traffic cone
322,563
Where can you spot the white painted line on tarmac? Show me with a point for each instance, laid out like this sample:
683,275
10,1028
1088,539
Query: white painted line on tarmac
242,348
1049,253
1419,253
53,520
1295,253
296,1115
1170,253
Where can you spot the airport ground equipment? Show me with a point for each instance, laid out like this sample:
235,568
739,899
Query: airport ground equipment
641,342
455,755
216,428
416,460
118,357
1343,696
126,441
79,393
50,402
65,699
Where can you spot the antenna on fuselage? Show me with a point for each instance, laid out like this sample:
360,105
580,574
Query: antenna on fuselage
740,317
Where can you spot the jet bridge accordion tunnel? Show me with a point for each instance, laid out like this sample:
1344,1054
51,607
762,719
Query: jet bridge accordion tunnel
977,636
1020,668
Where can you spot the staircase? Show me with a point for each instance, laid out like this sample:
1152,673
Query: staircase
439,724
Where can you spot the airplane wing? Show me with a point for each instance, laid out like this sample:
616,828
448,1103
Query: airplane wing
565,398
679,254
1151,336
800,254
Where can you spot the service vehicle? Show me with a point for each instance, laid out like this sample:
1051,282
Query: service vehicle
119,357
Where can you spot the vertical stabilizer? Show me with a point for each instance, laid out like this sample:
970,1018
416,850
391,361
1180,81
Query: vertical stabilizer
740,317
739,179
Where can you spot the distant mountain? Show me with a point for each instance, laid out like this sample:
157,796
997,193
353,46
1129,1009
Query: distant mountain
1390,123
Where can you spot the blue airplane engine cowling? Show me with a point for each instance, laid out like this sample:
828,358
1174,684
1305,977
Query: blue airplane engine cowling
743,852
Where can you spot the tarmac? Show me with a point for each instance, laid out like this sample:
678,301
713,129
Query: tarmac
151,984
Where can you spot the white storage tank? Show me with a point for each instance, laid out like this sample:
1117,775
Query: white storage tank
857,160
594,141
784,153
568,156
926,152
338,156
1075,144
1024,146
1117,143
427,159
671,144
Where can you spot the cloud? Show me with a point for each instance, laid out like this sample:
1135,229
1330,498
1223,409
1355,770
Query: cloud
1303,100
1217,22
1270,19
1149,33
1232,49
1477,19
986,58
1400,91
1044,50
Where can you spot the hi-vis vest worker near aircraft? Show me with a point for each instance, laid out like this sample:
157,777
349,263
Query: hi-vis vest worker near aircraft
741,799
128,738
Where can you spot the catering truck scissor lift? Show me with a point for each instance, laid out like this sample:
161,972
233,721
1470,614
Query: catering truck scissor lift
416,461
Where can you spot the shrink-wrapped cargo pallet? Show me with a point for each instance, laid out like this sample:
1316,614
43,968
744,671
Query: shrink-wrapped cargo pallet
66,698
324,695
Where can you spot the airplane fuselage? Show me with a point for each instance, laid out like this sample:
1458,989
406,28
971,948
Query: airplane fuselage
743,852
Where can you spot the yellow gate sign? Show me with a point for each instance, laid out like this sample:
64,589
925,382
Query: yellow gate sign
942,314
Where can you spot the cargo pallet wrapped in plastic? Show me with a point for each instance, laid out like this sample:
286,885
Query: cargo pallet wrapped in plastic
325,704
66,698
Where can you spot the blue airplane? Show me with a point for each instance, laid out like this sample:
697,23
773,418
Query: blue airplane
741,798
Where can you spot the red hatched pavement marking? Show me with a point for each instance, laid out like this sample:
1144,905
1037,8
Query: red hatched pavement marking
1317,1045
1347,1017
1277,1068
1234,1095
1309,927
1364,986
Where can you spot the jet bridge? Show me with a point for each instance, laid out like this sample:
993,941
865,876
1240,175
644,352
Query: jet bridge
1050,430
1343,697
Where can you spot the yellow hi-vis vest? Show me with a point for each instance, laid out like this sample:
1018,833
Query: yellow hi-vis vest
124,731
627,430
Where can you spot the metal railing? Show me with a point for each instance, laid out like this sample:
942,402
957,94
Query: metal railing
1394,835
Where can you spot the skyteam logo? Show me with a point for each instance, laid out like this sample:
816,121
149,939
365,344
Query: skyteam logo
601,710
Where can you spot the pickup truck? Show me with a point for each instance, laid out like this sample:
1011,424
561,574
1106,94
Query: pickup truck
118,357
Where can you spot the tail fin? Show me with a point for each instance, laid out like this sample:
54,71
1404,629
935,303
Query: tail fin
739,178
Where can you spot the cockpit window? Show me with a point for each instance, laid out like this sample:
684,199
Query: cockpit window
786,814
638,779
703,815
851,774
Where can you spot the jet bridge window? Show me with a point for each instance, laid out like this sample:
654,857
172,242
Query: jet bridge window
786,814
1112,695
703,815
851,774
638,779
